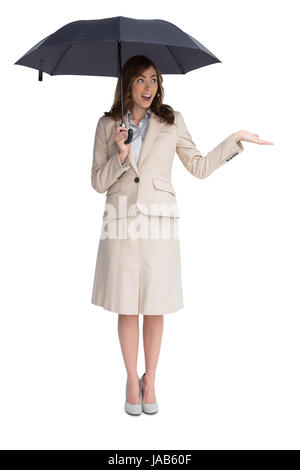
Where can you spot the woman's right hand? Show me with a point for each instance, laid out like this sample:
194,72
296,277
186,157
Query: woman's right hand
120,136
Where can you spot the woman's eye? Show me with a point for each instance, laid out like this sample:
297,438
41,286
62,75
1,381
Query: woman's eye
142,79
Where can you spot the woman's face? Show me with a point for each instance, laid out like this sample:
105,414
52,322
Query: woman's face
145,84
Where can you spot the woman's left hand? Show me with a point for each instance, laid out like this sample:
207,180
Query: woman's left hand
250,137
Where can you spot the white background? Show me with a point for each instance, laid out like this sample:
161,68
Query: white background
228,374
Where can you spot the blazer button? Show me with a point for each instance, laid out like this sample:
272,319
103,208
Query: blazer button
136,179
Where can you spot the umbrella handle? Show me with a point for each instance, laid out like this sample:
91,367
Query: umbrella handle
130,134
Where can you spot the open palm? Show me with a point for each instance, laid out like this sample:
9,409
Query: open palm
250,137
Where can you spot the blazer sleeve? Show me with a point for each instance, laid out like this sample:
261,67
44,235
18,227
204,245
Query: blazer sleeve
106,169
197,164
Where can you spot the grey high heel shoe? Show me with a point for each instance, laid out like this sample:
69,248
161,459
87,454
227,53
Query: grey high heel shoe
132,408
149,408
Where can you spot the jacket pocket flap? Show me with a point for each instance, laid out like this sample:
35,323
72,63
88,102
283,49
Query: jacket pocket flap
163,185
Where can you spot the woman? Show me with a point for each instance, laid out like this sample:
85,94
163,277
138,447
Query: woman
138,268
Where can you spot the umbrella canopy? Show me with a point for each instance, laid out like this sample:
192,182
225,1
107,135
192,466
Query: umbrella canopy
101,47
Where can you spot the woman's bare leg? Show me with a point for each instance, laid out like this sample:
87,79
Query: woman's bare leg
152,335
128,331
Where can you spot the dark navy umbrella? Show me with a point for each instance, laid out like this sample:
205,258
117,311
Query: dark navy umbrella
101,47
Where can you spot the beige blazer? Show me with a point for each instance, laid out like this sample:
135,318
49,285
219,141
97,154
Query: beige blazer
148,186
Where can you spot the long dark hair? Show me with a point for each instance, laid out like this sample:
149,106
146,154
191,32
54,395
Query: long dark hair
132,68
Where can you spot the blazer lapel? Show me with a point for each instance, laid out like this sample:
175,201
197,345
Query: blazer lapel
150,136
153,130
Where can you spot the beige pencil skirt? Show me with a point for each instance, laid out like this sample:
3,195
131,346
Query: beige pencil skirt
138,266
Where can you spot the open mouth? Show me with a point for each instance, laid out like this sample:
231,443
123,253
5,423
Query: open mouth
146,97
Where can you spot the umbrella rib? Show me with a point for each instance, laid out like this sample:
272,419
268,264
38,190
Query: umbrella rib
61,59
175,59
